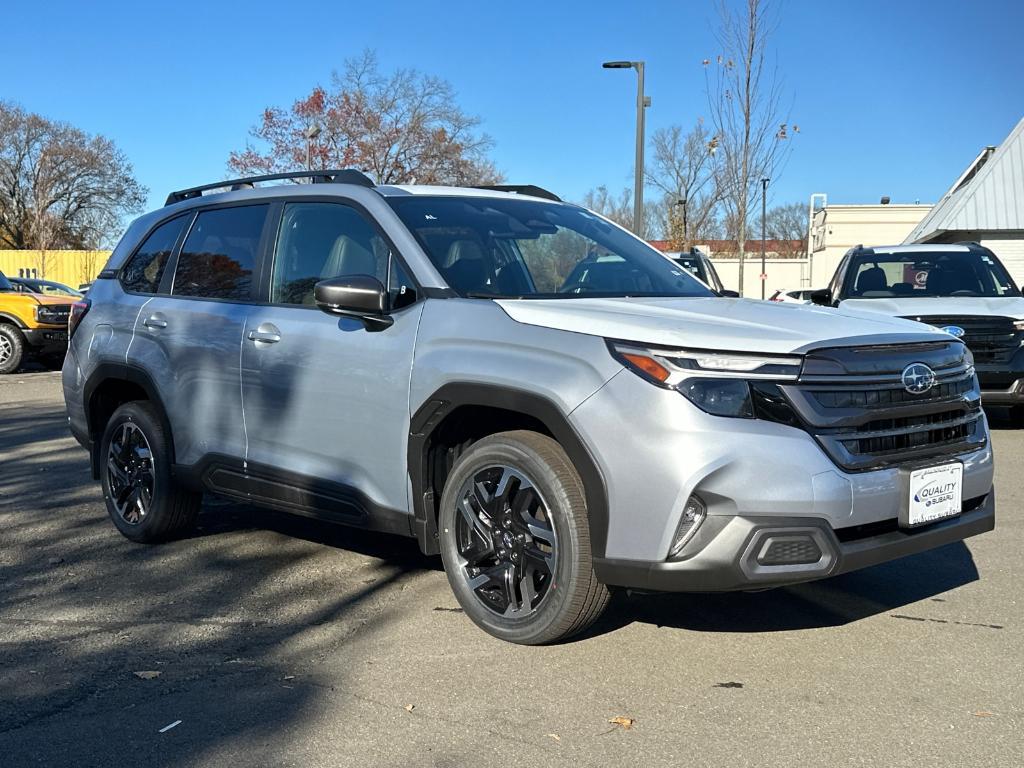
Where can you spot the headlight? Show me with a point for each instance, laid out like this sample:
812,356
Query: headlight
46,314
716,382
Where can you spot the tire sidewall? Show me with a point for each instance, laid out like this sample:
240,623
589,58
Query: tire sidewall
18,354
542,625
150,528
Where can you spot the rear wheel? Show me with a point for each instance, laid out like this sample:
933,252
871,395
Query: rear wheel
143,499
515,540
12,348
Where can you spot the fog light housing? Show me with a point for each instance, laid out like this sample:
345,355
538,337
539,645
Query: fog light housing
693,515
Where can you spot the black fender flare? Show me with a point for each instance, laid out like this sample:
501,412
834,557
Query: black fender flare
14,320
453,395
114,371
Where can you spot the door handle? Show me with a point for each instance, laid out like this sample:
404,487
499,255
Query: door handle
154,322
268,337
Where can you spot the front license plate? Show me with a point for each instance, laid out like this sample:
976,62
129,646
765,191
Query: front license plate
935,493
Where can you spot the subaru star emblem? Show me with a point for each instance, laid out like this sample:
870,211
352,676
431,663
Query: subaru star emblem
918,378
953,330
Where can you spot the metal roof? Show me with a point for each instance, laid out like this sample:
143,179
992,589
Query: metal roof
988,196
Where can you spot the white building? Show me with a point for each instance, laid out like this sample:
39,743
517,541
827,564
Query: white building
985,205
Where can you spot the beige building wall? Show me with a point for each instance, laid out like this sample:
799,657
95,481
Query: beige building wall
782,274
837,228
69,267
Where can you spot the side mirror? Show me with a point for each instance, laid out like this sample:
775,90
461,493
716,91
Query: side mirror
359,296
822,297
729,294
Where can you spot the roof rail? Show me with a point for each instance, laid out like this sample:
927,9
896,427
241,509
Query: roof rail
344,176
521,189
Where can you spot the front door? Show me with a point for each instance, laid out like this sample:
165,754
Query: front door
326,400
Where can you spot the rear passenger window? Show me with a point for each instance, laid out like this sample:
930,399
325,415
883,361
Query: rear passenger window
143,271
219,254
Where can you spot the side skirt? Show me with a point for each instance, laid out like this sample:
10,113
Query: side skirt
287,491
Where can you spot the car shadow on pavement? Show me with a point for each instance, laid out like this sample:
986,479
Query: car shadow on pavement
826,603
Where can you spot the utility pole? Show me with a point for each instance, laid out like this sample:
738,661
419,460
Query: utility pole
764,194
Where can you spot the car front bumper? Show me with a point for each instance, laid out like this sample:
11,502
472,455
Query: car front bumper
994,394
733,556
45,340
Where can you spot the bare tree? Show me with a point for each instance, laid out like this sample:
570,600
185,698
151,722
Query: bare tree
787,224
620,209
683,166
402,128
59,186
751,136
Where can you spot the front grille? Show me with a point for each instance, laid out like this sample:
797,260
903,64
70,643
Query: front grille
990,339
854,403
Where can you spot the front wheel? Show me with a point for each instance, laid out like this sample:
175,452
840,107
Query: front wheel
515,540
12,348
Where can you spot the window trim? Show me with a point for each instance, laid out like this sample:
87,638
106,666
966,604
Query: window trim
270,254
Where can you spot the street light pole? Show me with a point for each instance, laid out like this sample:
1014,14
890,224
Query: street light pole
764,275
642,102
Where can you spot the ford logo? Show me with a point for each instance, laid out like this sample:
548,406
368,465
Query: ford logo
953,330
917,378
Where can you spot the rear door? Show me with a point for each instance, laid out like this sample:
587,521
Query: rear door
190,340
326,400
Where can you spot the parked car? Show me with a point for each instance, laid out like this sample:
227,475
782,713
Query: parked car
31,326
428,361
701,267
799,296
44,287
962,289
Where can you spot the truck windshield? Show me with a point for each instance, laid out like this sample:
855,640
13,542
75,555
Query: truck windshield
488,247
921,274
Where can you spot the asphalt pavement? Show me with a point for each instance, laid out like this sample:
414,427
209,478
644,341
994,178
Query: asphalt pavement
271,640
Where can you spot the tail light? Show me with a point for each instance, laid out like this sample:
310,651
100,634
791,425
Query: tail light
78,310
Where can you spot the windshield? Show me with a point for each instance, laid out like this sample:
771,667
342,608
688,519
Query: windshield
5,284
916,274
506,248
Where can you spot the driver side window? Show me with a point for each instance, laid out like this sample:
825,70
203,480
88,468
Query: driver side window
318,241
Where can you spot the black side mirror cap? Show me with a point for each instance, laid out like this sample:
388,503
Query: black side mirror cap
360,296
729,294
822,297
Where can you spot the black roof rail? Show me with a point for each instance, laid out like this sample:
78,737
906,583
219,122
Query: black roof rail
342,176
521,189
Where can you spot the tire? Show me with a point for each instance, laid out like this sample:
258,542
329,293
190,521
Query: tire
519,561
143,499
12,348
1017,415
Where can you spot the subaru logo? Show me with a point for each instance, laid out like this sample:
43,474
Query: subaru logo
953,330
918,378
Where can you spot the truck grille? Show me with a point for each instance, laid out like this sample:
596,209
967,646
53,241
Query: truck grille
990,339
854,403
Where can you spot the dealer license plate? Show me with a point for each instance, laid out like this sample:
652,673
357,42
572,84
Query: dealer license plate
935,493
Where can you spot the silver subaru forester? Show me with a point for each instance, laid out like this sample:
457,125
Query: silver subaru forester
524,387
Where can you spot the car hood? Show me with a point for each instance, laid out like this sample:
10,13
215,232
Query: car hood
736,325
1005,306
31,299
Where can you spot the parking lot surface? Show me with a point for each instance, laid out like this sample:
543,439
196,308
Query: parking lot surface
273,640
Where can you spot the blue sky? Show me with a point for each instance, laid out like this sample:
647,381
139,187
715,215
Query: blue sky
891,97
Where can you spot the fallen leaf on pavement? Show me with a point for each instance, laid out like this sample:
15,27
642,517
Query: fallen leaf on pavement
147,674
983,714
625,722
410,707
555,736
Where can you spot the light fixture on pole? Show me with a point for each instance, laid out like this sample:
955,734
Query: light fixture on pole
764,194
311,132
642,102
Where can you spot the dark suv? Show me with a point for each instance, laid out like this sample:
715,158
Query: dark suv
961,288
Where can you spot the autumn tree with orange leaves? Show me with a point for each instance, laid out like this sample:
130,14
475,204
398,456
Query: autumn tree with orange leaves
402,128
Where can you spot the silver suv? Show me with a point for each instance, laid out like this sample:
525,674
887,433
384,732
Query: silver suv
520,385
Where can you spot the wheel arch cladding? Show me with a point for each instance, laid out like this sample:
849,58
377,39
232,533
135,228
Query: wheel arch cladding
111,385
500,408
